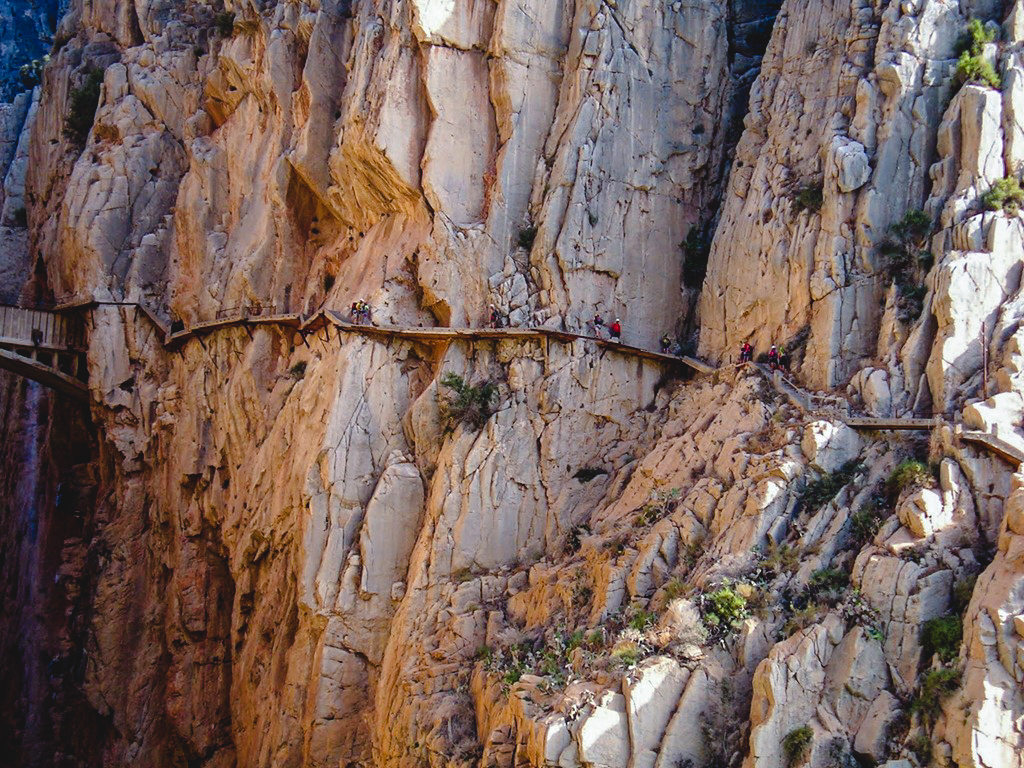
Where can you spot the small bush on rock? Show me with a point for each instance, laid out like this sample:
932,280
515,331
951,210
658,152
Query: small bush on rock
722,610
1005,195
467,404
810,197
942,636
84,101
937,685
797,744
820,492
865,522
526,237
908,475
972,66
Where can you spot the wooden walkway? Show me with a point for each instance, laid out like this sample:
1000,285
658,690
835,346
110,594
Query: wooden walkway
48,346
44,346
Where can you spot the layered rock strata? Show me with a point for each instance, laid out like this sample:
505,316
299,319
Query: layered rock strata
296,555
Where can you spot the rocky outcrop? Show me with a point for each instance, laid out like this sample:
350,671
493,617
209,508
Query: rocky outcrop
304,549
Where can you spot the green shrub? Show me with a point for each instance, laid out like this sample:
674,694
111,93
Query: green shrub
84,101
797,744
906,263
810,197
298,370
908,474
526,237
722,610
936,686
466,403
21,217
820,492
963,589
914,226
975,38
921,745
640,619
942,636
1005,195
865,522
974,69
827,585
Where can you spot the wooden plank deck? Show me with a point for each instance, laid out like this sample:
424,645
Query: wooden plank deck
868,422
1010,453
44,374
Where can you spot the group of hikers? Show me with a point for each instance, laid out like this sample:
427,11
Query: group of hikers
361,313
778,357
612,332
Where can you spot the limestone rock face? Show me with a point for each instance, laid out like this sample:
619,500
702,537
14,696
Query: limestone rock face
292,545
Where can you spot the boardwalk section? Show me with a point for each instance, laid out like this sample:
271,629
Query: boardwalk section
870,422
44,346
996,445
338,320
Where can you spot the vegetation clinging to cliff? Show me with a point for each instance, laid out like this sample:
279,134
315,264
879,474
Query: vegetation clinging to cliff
84,100
469,404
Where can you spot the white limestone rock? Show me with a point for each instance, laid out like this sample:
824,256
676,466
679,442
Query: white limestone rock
828,444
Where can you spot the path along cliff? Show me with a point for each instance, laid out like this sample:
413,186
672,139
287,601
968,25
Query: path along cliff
270,550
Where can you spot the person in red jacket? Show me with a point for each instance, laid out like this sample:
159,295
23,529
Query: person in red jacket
616,330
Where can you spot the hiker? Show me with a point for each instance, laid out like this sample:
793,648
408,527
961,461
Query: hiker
495,318
773,358
615,330
783,357
598,326
666,344
355,313
746,352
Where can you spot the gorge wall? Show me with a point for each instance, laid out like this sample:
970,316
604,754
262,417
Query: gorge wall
273,549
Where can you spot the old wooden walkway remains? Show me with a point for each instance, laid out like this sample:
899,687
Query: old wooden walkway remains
44,346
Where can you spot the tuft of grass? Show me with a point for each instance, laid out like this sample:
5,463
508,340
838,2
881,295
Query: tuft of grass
467,404
942,636
973,69
1005,195
820,492
797,744
921,746
84,101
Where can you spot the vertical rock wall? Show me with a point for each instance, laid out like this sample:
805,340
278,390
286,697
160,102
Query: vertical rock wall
294,558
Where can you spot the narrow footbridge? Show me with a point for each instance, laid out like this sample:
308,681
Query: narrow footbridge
45,346
49,346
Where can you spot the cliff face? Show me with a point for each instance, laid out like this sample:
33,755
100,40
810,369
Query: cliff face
289,550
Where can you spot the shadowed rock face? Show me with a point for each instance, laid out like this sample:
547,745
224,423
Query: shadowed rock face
291,551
